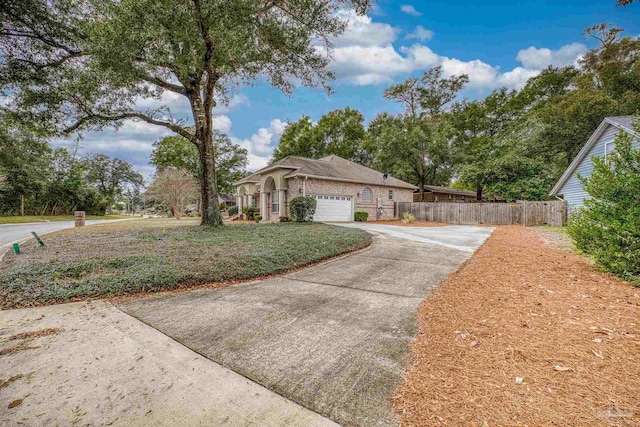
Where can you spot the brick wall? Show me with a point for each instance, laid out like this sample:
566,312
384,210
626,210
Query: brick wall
337,188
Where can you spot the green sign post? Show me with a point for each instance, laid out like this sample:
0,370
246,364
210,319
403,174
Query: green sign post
38,239
16,248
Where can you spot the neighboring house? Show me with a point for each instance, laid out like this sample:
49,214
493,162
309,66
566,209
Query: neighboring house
434,193
341,187
600,144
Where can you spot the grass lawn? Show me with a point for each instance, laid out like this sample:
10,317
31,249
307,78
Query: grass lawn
161,254
41,218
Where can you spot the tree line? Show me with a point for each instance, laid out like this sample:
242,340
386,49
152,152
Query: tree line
36,179
513,144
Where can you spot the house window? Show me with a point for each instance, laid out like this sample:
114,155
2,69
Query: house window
367,195
390,194
275,201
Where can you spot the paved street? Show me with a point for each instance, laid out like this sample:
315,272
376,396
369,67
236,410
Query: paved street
12,232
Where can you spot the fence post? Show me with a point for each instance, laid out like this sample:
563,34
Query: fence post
80,218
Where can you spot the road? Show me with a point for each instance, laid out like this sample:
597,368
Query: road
11,232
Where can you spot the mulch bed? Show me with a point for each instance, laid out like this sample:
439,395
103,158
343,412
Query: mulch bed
525,334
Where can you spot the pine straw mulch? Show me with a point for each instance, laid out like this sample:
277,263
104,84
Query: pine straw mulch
524,334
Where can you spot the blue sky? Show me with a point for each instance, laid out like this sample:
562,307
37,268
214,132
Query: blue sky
497,43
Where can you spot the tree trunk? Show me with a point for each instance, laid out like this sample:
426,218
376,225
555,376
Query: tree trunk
210,209
479,193
22,205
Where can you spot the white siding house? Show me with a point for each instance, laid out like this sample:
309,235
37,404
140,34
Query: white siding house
600,144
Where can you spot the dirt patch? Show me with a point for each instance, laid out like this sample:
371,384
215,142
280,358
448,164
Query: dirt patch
414,224
556,237
35,334
524,334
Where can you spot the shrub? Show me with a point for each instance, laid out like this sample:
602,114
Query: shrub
223,207
408,218
302,208
361,216
233,210
250,211
608,227
284,219
257,218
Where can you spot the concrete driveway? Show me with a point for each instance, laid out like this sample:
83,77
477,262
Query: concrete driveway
333,338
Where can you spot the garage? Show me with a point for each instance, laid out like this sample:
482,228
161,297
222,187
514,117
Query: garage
333,208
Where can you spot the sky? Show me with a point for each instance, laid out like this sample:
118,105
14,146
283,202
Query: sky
497,43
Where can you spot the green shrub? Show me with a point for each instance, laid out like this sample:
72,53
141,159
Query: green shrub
408,218
257,218
233,210
250,211
302,208
223,207
608,227
284,219
361,216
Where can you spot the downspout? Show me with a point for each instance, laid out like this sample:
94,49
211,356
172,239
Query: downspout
304,186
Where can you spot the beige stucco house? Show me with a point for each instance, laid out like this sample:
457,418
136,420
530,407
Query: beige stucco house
341,187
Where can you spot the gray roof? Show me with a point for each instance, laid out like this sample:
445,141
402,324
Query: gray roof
621,122
254,177
625,122
335,168
449,190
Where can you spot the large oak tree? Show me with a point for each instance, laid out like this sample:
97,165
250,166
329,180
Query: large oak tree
83,65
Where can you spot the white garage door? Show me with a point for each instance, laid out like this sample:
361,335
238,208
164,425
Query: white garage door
333,208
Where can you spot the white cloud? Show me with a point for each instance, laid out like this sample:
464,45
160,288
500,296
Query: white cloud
420,33
261,144
362,31
367,56
410,10
534,58
222,123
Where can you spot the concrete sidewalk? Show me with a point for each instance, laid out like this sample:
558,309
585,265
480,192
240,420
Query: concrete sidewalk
107,368
333,337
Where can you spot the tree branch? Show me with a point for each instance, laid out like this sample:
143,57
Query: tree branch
164,84
132,115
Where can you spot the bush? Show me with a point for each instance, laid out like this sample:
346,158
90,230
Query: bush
302,208
361,216
257,218
233,210
284,219
223,207
250,211
608,227
408,218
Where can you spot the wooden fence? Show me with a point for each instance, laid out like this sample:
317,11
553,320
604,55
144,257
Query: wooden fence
521,212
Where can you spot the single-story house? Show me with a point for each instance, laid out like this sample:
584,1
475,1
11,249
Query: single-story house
341,187
600,144
435,193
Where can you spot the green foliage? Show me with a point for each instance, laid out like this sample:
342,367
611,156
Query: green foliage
223,207
250,211
75,66
284,219
360,216
105,261
178,152
408,218
257,218
608,227
302,208
233,210
339,132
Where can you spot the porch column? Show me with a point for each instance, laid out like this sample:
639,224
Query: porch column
263,206
239,203
246,200
283,209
